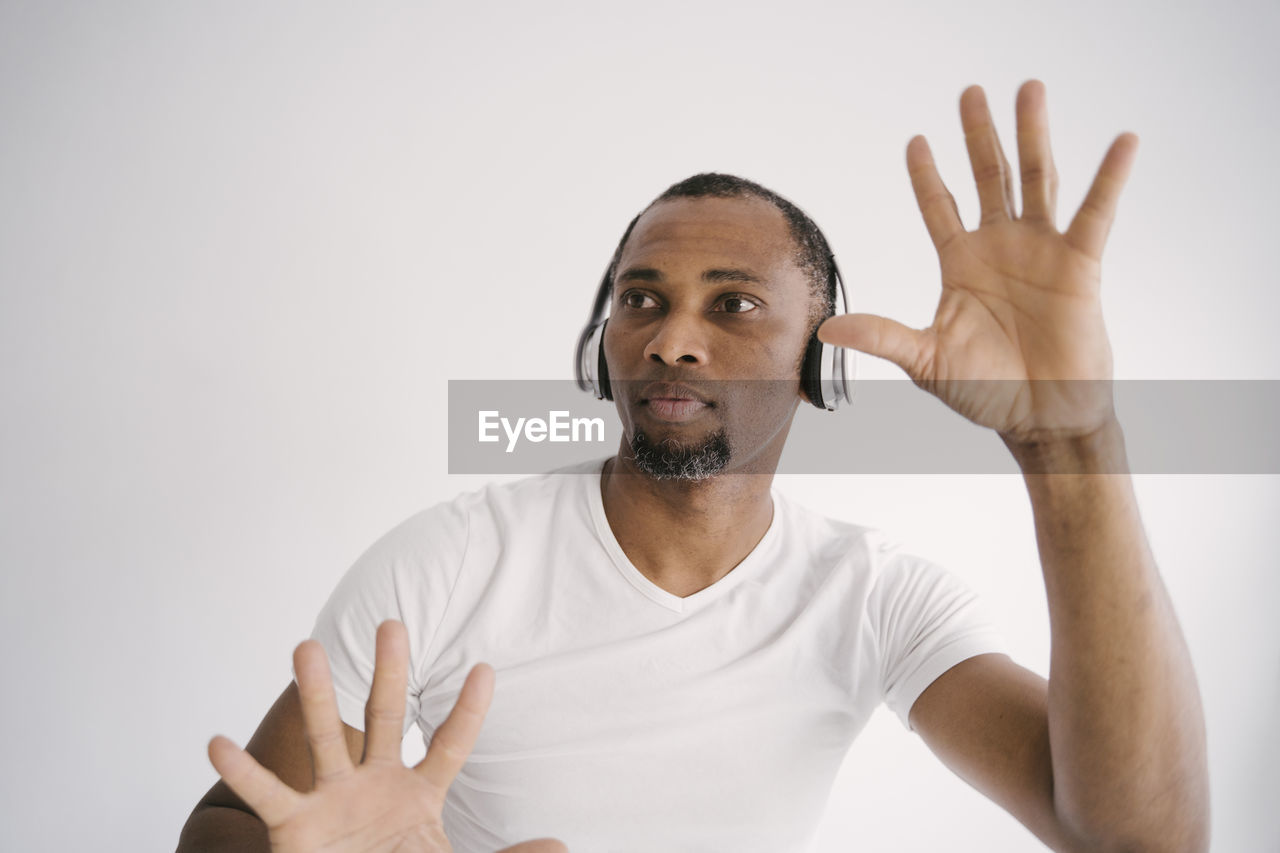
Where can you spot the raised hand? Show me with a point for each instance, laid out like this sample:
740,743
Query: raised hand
379,804
1020,299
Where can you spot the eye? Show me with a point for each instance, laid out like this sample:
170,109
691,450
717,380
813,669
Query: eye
737,304
638,300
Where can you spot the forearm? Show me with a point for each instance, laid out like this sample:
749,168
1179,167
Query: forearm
218,828
1125,722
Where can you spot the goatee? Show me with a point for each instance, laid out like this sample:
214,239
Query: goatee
669,459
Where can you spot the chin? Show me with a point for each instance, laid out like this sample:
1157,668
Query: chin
670,458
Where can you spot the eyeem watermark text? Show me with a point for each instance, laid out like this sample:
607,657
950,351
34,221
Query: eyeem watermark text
557,427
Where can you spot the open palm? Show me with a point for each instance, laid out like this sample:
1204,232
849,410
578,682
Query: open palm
379,805
1018,342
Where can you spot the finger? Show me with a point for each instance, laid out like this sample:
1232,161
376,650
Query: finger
1039,175
990,168
384,712
1010,203
878,336
452,742
1092,223
271,799
937,205
320,718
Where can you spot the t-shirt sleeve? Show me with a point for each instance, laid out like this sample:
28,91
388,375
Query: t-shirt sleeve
406,575
926,621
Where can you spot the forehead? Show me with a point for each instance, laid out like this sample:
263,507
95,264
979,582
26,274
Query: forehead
734,232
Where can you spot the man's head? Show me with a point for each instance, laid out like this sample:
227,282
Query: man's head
813,255
717,287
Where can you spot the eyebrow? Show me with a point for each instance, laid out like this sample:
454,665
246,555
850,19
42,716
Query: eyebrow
711,276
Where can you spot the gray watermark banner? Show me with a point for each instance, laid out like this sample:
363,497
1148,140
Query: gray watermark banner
890,427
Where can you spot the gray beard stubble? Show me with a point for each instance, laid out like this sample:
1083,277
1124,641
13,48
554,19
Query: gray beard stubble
670,460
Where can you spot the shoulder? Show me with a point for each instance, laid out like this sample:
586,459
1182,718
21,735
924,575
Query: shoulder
448,525
527,493
828,541
900,587
412,571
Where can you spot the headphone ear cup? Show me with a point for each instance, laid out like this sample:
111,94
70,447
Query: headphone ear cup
811,372
602,370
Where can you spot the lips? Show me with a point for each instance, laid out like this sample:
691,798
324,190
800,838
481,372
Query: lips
673,402
667,409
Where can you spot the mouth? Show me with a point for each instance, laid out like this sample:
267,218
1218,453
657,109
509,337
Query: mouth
673,403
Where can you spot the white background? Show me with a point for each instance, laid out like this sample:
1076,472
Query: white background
244,245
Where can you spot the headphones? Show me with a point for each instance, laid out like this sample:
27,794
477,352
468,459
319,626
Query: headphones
826,374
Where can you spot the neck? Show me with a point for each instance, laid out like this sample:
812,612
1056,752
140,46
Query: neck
720,521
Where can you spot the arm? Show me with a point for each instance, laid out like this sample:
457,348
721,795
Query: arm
1124,712
1109,754
223,821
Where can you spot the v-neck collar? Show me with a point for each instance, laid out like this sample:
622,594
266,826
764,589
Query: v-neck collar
748,567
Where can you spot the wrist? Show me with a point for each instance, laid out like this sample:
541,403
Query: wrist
1097,451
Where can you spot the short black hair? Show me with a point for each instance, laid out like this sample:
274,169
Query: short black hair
813,254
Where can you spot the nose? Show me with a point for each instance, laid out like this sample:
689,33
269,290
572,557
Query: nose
677,340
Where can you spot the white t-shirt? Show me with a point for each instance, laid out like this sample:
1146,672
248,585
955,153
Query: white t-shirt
626,718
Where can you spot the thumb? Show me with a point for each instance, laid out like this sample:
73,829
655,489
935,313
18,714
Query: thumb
875,335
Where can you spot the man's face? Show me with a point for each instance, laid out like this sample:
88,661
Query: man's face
708,325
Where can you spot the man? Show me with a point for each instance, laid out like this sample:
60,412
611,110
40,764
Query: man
683,656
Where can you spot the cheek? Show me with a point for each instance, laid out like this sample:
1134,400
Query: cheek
619,345
779,354
760,404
